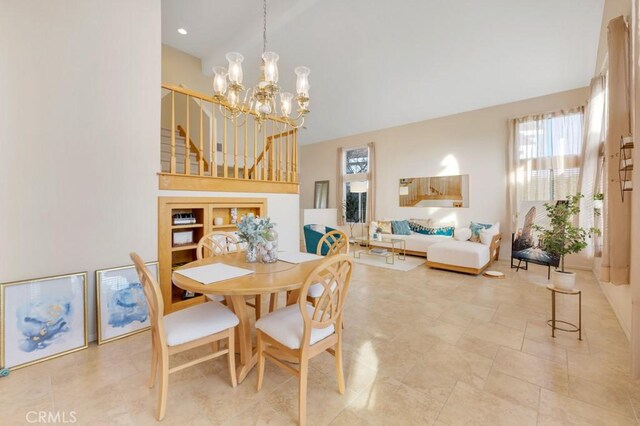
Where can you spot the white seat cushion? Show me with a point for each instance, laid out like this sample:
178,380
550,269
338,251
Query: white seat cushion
315,290
459,253
215,297
286,326
198,321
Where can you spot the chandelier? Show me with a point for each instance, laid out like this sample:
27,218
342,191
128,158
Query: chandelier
261,99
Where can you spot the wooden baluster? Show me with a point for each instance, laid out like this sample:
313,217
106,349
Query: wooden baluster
200,154
246,148
214,148
288,175
235,148
224,148
295,155
273,152
187,148
172,161
265,157
280,146
255,150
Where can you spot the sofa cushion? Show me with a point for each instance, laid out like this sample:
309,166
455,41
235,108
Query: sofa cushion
432,230
459,253
486,235
386,226
462,234
400,227
475,230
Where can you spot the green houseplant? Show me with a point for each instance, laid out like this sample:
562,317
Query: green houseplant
563,237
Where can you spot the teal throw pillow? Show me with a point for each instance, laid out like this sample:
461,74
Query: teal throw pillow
476,228
401,227
431,230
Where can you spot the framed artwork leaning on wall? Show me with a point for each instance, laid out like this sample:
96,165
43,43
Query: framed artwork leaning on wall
42,318
121,303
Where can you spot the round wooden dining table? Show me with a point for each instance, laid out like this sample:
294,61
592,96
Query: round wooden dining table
266,279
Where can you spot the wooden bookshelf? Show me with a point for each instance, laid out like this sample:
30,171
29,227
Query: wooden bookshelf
204,210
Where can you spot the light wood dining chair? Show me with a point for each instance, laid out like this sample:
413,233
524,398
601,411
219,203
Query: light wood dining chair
218,243
335,242
302,331
199,325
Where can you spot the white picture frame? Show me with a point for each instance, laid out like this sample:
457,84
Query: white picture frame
42,318
122,309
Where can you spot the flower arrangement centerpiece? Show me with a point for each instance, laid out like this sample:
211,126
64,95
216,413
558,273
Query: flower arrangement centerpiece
260,237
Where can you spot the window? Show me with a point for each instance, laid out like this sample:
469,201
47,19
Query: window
547,155
355,177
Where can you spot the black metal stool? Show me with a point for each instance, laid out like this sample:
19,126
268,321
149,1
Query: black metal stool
553,321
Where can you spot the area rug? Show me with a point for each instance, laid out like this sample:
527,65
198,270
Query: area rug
400,265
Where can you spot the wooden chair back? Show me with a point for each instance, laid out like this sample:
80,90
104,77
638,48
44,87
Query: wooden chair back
334,274
335,241
217,243
153,295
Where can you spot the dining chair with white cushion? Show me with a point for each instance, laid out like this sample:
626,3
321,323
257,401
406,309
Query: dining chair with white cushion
332,243
301,331
195,326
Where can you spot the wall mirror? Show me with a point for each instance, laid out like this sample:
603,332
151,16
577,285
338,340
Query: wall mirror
321,195
436,191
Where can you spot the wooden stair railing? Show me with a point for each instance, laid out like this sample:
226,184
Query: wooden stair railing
192,146
251,149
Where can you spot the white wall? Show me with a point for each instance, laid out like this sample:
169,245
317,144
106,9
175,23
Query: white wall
473,143
79,136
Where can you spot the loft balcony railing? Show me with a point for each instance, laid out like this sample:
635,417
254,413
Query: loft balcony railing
202,149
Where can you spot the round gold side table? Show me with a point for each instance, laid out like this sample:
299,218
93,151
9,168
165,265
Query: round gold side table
553,321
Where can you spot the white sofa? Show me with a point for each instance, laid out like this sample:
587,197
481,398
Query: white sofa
445,252
416,243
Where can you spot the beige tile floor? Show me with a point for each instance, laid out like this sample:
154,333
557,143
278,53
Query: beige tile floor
421,347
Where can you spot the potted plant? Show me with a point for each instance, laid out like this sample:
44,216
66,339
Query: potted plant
350,213
563,237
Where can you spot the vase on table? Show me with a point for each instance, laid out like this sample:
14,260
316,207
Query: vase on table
251,253
268,250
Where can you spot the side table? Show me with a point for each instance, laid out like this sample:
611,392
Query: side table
553,321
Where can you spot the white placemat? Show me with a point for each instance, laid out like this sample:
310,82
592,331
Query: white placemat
211,274
297,257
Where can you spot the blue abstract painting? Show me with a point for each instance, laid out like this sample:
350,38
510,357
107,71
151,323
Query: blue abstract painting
42,322
127,305
122,305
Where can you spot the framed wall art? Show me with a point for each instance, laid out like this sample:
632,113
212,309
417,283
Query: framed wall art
122,307
42,318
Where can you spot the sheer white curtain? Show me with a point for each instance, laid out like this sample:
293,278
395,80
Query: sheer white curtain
545,157
371,177
593,140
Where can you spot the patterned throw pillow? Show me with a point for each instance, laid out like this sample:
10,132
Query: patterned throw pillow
475,230
386,226
431,230
400,227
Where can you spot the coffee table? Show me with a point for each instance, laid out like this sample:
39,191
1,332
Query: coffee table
388,255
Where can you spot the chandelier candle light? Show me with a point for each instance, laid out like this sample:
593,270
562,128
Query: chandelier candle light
262,98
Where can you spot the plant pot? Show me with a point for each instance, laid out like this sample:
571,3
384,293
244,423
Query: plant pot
563,280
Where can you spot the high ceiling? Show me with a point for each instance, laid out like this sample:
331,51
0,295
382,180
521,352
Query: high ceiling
378,64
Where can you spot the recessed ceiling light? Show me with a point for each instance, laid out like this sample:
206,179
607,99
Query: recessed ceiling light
182,31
